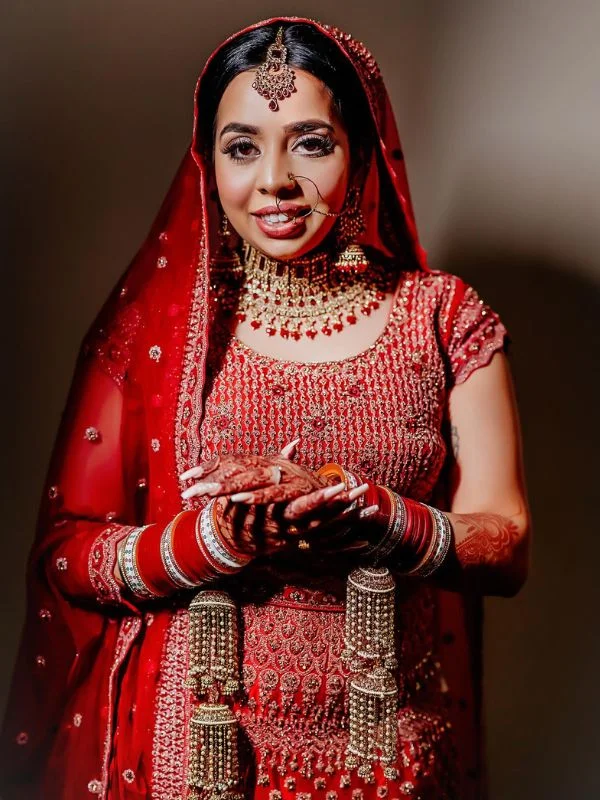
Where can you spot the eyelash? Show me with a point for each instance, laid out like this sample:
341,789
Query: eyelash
326,142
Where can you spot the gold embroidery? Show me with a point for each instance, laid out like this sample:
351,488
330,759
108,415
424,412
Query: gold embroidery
170,748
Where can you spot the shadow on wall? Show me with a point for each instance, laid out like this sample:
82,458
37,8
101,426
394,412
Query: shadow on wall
542,651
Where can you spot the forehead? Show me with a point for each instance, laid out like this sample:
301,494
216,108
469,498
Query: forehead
242,103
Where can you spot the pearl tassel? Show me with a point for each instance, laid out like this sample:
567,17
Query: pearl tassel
213,771
370,653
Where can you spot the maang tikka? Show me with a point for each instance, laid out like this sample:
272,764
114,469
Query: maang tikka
274,79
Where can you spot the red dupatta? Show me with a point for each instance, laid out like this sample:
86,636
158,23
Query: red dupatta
129,428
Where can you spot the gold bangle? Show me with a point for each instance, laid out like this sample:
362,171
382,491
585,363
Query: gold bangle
333,469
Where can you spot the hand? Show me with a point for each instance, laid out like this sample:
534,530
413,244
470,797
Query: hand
260,530
240,473
247,527
281,498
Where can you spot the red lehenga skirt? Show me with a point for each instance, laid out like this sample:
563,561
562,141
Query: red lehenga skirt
293,709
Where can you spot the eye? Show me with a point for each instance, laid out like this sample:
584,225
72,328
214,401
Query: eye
240,149
315,145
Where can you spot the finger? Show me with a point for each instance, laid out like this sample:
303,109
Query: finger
345,503
201,470
281,493
254,478
220,472
343,522
242,528
201,489
354,494
289,449
223,469
309,502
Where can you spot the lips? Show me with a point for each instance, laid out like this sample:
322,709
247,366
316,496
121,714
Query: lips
275,221
287,208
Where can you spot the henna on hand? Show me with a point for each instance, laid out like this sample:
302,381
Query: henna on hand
239,472
252,530
275,493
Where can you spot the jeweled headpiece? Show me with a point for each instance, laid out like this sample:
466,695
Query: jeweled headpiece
274,79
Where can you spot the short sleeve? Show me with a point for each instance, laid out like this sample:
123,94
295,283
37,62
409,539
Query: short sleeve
474,332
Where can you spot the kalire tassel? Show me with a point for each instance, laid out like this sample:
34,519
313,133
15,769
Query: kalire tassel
214,770
370,653
213,643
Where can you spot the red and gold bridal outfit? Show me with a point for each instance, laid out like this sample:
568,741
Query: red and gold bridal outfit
98,707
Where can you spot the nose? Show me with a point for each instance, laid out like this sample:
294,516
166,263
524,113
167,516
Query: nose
274,175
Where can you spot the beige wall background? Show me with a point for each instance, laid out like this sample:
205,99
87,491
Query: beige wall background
498,107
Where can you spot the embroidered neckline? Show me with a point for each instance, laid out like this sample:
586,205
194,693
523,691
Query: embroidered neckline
396,314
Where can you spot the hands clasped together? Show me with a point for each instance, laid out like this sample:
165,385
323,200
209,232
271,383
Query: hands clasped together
269,504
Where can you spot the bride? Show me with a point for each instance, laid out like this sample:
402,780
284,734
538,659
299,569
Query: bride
288,471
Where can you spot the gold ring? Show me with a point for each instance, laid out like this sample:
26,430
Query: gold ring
303,544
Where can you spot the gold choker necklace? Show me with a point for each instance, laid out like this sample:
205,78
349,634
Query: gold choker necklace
305,296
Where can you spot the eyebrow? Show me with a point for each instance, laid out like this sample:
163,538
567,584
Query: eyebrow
303,126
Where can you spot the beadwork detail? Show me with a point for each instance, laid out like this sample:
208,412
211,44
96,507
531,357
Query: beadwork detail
155,352
128,775
93,435
113,346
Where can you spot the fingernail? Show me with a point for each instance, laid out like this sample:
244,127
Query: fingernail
289,448
358,491
331,491
201,488
240,497
187,474
368,511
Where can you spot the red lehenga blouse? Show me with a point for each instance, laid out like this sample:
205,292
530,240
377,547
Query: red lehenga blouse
98,705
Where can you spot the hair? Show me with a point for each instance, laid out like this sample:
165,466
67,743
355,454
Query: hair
308,50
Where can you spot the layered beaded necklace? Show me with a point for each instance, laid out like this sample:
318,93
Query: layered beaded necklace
303,297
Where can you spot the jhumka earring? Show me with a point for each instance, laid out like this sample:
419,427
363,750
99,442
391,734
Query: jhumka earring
274,79
226,254
225,232
369,651
351,223
213,641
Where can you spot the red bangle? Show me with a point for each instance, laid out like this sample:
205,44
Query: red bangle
420,529
185,549
411,544
150,564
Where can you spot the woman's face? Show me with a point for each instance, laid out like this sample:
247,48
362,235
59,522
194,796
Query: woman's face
256,148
